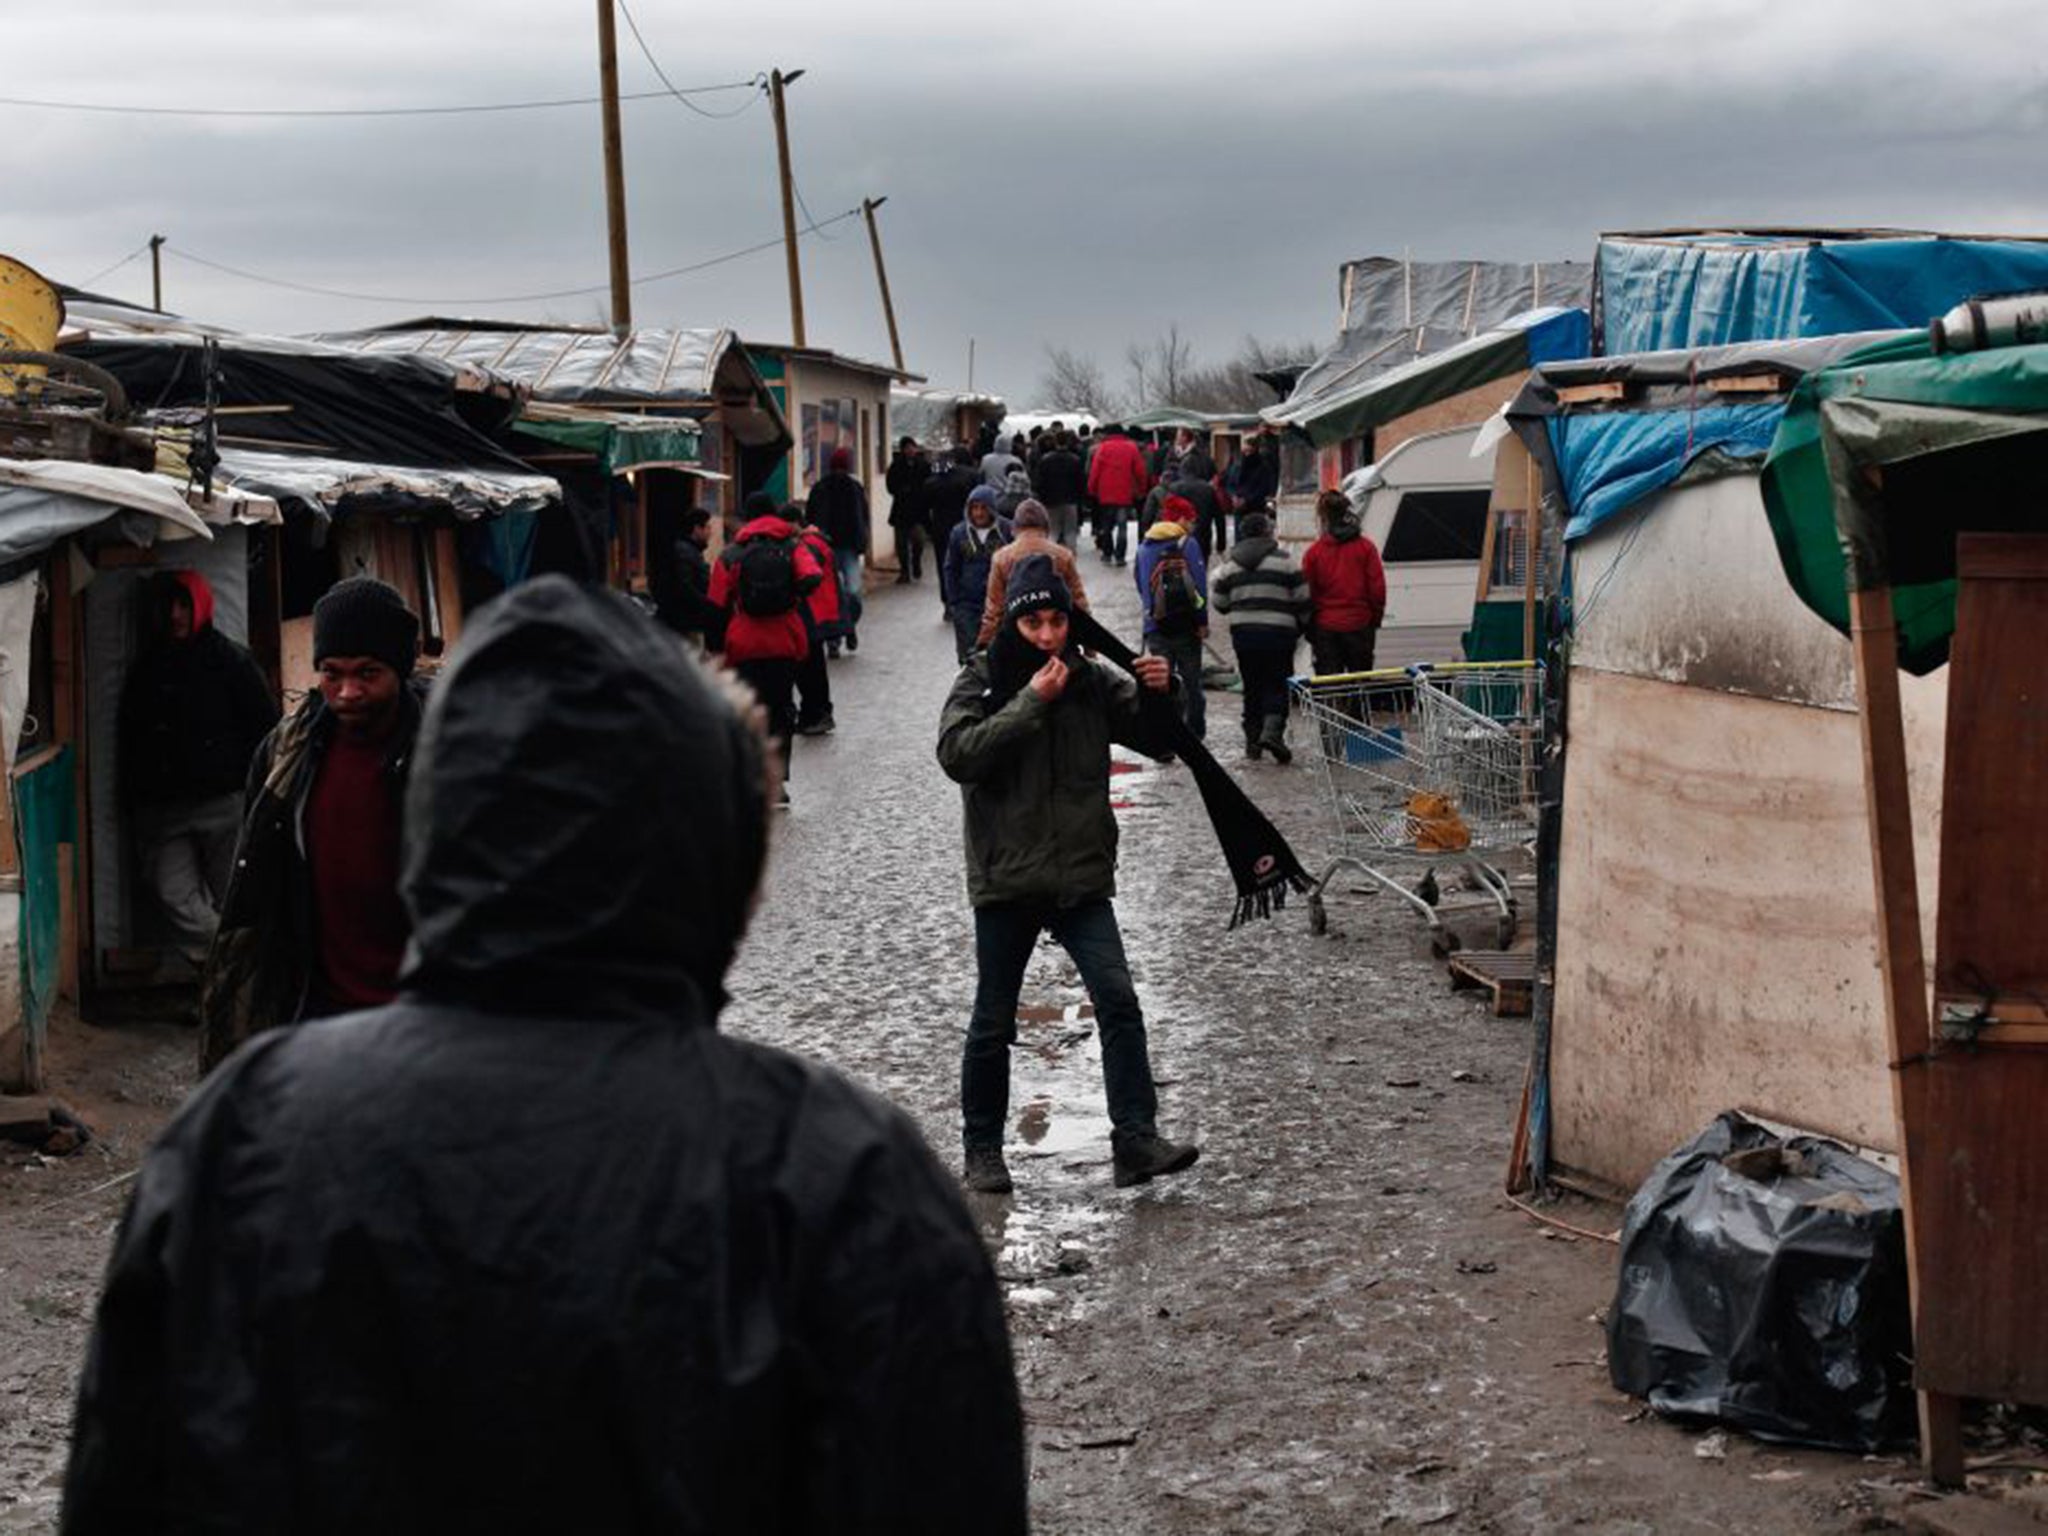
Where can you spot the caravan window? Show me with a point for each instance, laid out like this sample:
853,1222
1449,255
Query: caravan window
1438,525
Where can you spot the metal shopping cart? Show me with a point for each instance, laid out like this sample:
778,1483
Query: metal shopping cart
1427,766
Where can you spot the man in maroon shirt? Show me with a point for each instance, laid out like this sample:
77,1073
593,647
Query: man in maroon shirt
312,923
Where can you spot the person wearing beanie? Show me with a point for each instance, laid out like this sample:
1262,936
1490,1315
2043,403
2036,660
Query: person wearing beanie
1026,733
1031,534
1060,482
193,708
970,557
1260,589
537,1246
312,923
1173,586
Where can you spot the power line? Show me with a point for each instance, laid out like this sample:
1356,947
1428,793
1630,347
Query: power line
511,298
681,94
812,225
661,74
105,272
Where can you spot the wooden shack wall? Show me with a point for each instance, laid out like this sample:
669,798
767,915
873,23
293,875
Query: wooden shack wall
1717,932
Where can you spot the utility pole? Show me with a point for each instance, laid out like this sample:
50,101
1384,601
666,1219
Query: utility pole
970,365
868,207
156,273
614,169
776,81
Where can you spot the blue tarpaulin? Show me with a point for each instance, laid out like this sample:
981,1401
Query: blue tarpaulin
1669,292
1610,462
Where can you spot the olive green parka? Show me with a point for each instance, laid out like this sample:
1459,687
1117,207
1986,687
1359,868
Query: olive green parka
1034,781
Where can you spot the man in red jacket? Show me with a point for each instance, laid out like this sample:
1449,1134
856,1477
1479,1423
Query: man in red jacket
1117,481
760,583
1347,590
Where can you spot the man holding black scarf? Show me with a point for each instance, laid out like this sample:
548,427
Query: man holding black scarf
1026,733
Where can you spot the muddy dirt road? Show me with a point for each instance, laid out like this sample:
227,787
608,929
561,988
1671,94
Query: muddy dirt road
1333,1323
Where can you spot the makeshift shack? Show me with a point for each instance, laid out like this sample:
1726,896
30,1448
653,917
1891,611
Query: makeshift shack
1713,923
1398,315
1908,492
389,465
68,532
635,430
941,418
832,402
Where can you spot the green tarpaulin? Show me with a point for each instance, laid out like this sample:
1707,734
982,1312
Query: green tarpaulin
1883,458
45,815
620,445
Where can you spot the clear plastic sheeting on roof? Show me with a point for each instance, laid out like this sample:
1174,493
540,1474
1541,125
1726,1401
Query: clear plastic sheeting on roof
650,366
327,488
1397,310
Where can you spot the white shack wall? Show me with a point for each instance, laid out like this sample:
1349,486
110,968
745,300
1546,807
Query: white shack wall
1717,931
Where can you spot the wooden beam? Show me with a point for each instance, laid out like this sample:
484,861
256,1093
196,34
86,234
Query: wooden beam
1901,958
1584,394
448,586
1532,545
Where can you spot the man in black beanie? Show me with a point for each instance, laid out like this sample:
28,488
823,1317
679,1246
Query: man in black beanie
312,923
1026,734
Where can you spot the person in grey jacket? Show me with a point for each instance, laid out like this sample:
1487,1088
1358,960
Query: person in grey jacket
1026,734
1261,588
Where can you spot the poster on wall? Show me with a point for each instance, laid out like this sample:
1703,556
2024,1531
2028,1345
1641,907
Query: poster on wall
811,428
828,425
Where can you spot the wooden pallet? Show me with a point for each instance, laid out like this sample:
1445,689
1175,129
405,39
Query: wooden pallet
1509,974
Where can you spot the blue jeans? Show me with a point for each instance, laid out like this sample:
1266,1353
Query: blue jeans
1113,531
1004,935
851,604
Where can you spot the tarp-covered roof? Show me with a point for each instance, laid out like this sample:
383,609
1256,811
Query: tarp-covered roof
1396,310
1883,458
619,443
45,501
1172,417
1658,416
652,368
327,488
1714,288
1351,409
296,395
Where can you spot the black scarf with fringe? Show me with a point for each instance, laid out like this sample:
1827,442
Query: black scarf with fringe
1261,863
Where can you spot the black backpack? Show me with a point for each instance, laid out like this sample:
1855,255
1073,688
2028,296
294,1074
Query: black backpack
767,577
1176,605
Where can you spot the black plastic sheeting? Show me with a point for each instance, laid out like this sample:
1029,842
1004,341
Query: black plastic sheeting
1768,1293
536,1247
350,405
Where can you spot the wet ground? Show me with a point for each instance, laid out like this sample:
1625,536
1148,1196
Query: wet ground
1334,1322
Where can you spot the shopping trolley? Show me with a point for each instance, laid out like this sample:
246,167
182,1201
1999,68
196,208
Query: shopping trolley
1426,765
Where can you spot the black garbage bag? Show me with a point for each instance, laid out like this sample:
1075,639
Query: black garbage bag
1763,1284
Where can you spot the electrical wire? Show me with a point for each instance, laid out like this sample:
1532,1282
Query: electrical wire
814,227
759,82
510,298
681,94
105,272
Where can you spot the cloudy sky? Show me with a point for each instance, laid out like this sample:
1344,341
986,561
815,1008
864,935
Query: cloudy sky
1061,173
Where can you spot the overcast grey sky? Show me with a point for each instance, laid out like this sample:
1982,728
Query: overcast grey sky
1064,173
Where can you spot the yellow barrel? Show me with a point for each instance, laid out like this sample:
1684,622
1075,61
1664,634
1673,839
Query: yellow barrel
30,316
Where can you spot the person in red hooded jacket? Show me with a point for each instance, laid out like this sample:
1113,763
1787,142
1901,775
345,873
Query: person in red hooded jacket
762,583
193,708
1347,590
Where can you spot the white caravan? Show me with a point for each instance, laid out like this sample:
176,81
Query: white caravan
1425,506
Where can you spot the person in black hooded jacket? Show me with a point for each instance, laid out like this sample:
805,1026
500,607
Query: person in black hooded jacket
535,1248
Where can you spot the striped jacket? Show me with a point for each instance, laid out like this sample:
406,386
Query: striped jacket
1261,587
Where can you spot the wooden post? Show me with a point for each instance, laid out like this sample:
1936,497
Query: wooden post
882,277
156,273
614,169
1532,549
448,587
1901,957
776,81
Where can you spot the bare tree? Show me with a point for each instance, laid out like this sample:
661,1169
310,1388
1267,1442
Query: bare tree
1164,372
1160,369
1074,381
